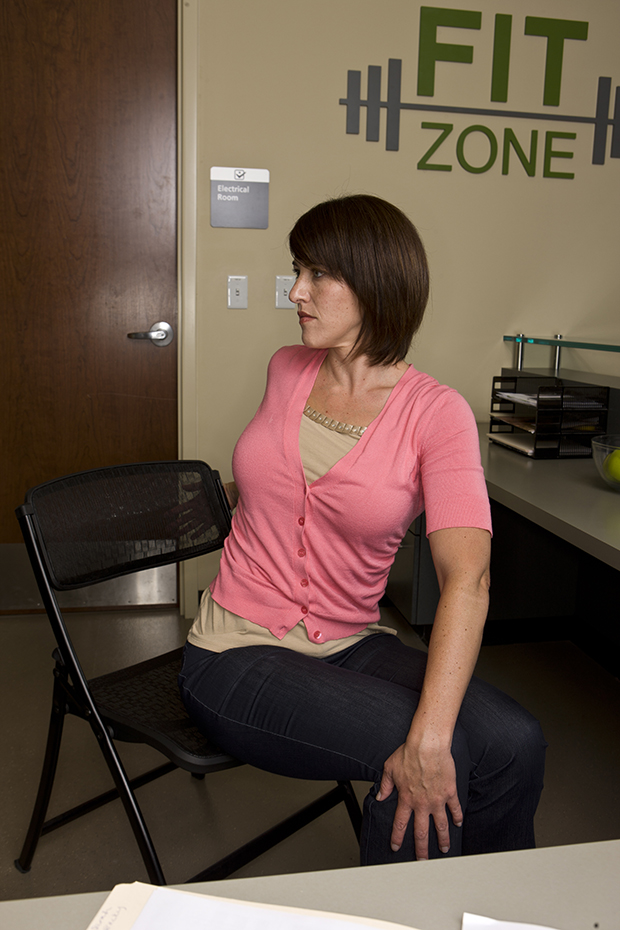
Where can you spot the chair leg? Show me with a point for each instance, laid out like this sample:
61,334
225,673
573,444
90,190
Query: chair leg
46,782
352,806
130,803
270,838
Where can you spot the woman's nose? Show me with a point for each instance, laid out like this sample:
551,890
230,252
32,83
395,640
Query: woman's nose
297,292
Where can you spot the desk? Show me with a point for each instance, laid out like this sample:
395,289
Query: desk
566,887
556,550
565,496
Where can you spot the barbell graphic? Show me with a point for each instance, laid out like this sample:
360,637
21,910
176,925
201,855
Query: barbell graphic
374,104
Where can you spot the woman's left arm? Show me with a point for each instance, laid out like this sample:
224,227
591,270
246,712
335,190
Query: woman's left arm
422,769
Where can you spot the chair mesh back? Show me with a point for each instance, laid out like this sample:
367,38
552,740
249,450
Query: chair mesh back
113,521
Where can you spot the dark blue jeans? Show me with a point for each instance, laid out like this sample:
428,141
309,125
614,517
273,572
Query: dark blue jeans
339,718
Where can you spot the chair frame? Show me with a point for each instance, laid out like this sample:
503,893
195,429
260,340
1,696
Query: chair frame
72,695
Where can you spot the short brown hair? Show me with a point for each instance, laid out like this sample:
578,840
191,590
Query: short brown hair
375,249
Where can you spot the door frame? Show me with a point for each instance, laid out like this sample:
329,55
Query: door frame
188,15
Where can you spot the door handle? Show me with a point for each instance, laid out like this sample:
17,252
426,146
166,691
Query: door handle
160,334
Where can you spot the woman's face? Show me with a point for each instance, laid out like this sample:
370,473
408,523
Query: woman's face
328,310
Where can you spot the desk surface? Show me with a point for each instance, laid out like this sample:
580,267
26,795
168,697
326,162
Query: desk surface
565,887
566,497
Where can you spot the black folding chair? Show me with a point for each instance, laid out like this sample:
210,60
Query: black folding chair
101,524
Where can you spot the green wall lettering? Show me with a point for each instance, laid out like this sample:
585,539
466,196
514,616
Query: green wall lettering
501,57
510,142
431,51
529,164
556,31
550,153
446,129
460,149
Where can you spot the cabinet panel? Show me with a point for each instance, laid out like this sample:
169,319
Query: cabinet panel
412,586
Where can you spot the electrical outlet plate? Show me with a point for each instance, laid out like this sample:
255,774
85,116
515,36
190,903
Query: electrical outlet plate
237,292
284,283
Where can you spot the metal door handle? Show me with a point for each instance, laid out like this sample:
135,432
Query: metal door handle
160,334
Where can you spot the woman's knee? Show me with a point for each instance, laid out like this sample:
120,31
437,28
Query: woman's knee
501,733
523,737
529,746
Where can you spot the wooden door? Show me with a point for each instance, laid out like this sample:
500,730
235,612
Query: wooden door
88,238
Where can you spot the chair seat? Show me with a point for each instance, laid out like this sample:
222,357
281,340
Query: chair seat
142,703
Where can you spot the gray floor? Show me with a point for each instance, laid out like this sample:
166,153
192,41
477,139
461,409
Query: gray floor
194,822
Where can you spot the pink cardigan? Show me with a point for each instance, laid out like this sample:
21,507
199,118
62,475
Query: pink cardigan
322,553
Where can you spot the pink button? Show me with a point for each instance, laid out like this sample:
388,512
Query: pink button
317,634
301,521
301,553
304,610
304,582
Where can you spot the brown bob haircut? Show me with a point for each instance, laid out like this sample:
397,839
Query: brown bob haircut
376,250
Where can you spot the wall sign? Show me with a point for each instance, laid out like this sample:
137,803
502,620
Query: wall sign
240,198
515,142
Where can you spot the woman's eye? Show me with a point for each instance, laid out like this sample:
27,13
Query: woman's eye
315,272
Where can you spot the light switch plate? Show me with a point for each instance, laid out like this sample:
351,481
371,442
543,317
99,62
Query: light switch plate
284,283
237,292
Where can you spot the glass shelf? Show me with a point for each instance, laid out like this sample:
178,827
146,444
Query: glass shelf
559,343
563,343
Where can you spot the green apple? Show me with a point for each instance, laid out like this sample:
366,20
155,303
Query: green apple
611,465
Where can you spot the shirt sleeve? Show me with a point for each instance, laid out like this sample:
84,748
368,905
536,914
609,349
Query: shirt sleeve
452,477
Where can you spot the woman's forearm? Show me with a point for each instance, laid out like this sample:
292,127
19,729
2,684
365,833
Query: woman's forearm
453,651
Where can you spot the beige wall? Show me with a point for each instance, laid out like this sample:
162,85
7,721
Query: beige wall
261,84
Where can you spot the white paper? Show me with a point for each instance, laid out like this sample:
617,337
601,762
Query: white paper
147,907
121,907
476,922
530,400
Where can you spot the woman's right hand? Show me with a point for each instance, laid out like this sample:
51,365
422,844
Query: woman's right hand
426,784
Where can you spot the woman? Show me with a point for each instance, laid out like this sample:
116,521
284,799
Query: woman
287,666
